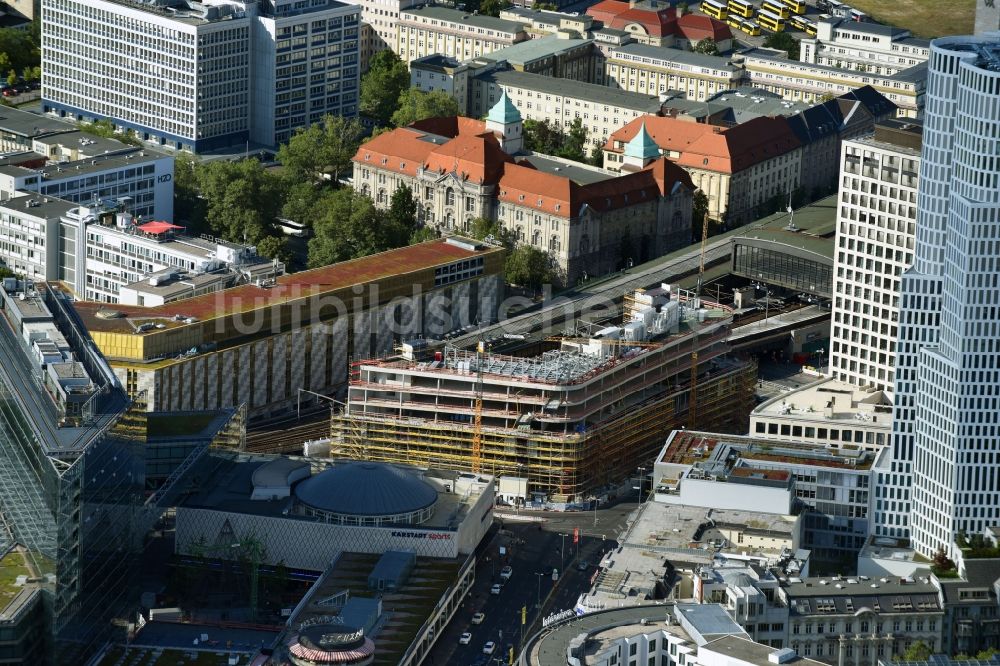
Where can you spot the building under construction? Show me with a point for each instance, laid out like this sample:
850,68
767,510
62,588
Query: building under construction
583,415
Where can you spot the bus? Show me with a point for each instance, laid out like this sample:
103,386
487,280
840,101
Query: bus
776,8
770,21
797,6
750,28
803,24
858,15
734,22
741,8
714,9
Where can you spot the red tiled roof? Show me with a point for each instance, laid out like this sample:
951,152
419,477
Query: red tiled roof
617,14
696,27
549,193
463,147
713,148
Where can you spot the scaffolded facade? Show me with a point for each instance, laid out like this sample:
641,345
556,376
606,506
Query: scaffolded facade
571,420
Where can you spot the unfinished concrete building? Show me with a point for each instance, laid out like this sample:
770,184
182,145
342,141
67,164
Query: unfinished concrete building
581,416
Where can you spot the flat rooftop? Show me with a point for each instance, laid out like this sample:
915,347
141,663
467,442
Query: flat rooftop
187,12
30,125
815,226
530,50
37,205
591,92
581,174
441,13
688,447
305,284
849,403
125,156
670,56
743,650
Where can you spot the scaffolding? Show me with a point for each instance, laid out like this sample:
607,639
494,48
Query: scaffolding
565,466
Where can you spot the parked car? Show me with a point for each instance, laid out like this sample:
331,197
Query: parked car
478,618
465,638
506,573
582,565
35,84
9,92
489,648
497,587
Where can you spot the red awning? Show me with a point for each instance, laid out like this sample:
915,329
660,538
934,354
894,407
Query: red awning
158,227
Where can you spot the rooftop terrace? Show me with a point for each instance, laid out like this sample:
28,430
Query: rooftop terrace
686,447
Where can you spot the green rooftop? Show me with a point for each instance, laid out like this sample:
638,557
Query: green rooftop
11,566
814,226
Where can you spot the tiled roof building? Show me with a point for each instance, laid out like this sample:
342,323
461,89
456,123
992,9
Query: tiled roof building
738,167
660,26
590,221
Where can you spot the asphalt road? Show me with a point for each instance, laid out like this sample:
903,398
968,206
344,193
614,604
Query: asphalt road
533,551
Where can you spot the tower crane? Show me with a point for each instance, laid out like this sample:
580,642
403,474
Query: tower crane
477,427
693,392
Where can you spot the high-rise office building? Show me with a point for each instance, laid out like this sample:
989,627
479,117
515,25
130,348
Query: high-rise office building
944,474
199,76
876,229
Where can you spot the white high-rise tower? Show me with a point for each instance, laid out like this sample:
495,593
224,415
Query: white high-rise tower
945,466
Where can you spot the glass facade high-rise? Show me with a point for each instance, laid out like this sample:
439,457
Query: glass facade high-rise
201,76
944,473
80,499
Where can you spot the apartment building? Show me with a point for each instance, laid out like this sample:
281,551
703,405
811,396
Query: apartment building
739,168
561,55
654,70
543,22
808,82
876,233
590,221
99,251
429,29
378,25
200,76
863,47
601,110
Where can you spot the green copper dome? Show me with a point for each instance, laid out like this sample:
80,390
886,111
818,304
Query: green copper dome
504,111
642,145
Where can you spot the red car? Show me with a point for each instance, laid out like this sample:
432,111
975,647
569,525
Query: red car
9,92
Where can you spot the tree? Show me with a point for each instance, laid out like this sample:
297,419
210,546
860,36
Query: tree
699,209
783,42
918,651
243,199
6,272
189,207
596,156
414,105
351,227
21,48
493,7
942,565
574,143
707,46
682,8
528,266
423,234
275,247
322,148
483,228
386,79
403,213
544,6
11,77
542,136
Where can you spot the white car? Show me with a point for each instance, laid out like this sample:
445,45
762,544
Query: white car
506,573
478,618
496,588
489,648
465,638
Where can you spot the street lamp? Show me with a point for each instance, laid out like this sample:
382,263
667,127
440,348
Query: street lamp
538,592
562,554
642,471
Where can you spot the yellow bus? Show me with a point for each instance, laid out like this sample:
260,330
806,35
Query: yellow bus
775,8
734,21
797,6
750,28
770,21
741,8
714,9
804,24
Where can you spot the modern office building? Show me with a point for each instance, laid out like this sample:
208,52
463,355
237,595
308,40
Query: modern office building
876,231
863,47
105,254
200,76
942,478
80,489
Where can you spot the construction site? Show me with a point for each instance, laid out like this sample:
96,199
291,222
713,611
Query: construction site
578,418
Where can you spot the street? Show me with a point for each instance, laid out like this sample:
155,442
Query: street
533,550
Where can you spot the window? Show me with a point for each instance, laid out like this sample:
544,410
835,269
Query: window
449,197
